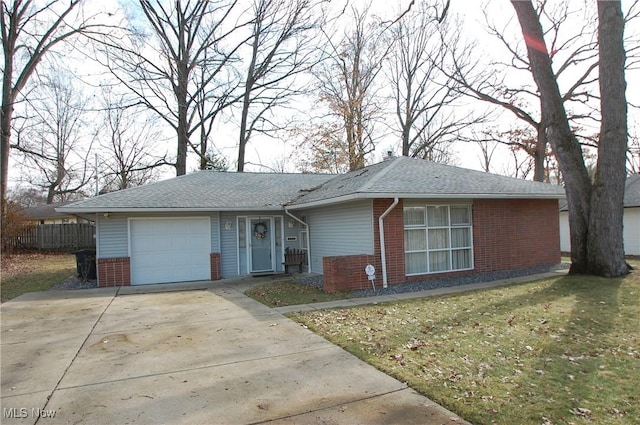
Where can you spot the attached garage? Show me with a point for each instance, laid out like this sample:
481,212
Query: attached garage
166,250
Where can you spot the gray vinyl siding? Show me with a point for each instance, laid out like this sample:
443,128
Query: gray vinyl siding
113,237
340,230
112,240
215,232
292,229
113,233
228,244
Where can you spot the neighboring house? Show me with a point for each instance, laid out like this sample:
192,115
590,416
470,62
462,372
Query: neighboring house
47,214
412,219
630,220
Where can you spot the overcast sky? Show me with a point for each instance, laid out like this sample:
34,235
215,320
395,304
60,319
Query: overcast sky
269,152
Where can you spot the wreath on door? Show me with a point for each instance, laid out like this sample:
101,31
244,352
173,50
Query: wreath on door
260,230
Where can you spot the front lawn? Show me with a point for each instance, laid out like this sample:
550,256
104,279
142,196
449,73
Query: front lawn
280,294
557,351
33,272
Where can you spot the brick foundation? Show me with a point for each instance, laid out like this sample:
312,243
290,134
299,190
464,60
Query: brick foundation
114,271
214,259
346,272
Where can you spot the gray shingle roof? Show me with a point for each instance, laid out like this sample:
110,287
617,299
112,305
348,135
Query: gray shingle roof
206,190
402,177
632,191
415,178
43,212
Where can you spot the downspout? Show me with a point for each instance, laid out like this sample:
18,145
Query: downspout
308,235
383,254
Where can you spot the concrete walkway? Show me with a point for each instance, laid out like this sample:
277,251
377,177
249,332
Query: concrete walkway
197,353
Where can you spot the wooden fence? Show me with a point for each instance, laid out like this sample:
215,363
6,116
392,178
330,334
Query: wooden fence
52,236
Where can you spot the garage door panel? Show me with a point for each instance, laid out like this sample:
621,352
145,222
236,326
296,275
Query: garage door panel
170,250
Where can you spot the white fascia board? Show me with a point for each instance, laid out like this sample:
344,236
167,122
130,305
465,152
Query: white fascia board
97,210
463,196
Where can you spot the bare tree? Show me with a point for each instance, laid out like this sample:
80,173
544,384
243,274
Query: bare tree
208,110
573,54
487,150
425,98
52,142
322,148
26,197
30,30
281,47
127,139
349,82
178,60
595,211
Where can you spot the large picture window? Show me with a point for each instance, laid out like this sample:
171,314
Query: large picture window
437,238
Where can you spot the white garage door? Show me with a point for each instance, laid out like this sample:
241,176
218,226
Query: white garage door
169,250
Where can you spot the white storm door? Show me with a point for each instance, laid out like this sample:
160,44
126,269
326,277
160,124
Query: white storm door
261,244
169,250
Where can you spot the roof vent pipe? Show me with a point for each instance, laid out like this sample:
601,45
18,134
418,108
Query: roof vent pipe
383,253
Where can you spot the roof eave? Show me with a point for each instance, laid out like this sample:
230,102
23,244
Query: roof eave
128,210
453,196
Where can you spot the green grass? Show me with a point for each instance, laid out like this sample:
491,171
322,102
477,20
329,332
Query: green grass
280,294
33,272
556,351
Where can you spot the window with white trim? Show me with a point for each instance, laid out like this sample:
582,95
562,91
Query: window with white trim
437,238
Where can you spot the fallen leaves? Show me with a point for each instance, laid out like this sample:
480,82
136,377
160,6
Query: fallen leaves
524,354
581,411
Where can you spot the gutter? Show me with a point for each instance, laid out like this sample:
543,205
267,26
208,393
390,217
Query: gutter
431,196
308,235
383,254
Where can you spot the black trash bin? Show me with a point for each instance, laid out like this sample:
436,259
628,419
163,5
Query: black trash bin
86,264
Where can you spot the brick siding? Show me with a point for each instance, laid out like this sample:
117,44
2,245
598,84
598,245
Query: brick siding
114,271
393,225
515,234
511,234
216,272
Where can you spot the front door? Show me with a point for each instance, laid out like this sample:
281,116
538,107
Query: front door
261,243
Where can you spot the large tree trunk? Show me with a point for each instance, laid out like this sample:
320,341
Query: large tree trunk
604,243
559,135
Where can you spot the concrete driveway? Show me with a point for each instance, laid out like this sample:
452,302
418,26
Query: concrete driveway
167,355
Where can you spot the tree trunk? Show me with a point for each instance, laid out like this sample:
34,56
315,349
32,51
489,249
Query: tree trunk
5,149
244,120
605,243
181,92
559,135
540,154
5,130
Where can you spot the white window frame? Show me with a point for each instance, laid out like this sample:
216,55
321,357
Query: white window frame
449,227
